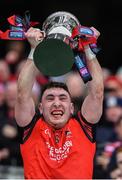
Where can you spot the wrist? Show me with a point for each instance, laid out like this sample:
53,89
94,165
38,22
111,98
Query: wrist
30,56
89,53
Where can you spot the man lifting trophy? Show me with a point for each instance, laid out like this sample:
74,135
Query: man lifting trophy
54,143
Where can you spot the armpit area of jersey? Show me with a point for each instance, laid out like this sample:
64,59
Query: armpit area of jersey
88,128
24,132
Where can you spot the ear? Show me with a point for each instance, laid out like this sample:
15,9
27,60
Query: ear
40,108
72,108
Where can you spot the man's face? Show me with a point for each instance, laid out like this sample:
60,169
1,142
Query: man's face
113,113
56,107
118,130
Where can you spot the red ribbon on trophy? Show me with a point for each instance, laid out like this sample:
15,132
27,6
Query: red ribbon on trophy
18,25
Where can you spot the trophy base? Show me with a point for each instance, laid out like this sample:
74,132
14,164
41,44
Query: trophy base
53,57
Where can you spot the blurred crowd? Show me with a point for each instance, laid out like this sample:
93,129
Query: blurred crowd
108,159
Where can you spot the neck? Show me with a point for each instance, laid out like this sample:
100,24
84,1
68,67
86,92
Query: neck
56,126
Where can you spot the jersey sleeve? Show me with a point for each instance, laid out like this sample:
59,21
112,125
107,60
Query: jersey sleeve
88,128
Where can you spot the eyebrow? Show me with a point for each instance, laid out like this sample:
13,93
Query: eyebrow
52,95
49,95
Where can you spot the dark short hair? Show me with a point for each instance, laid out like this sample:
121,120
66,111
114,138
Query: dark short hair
54,84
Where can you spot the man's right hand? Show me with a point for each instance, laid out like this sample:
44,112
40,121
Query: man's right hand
34,36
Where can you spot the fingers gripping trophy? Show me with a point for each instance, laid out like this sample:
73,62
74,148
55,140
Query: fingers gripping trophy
63,46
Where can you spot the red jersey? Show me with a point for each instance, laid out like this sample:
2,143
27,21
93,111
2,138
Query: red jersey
67,153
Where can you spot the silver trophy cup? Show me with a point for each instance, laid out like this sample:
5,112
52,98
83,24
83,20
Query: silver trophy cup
54,56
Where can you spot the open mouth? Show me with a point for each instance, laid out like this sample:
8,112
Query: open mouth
57,113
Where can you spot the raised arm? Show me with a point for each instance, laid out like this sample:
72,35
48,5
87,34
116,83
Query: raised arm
25,107
93,103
